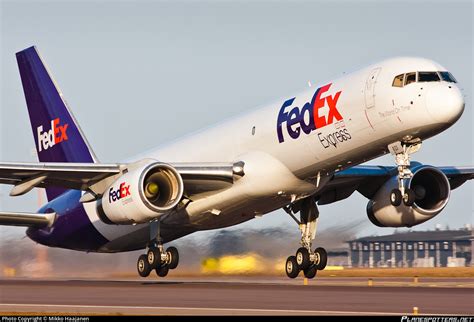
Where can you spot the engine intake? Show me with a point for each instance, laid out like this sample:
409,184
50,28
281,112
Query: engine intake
431,188
432,192
161,187
141,195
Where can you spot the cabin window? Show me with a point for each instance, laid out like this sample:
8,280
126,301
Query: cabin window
410,78
447,77
398,81
428,77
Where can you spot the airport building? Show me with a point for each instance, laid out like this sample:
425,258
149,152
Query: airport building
438,248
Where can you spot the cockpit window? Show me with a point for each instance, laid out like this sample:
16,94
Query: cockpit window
428,77
398,81
410,78
447,77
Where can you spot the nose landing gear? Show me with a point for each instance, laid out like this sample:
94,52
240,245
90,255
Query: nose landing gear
402,152
306,259
156,257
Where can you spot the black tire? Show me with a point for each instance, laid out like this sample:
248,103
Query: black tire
143,267
396,197
291,267
323,258
310,272
302,258
153,257
409,197
173,256
162,271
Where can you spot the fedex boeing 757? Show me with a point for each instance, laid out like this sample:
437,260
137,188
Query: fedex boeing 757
296,153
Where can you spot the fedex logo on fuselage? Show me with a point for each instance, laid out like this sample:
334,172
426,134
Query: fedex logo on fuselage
122,192
311,116
48,139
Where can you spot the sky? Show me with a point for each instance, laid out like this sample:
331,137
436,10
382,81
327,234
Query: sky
141,73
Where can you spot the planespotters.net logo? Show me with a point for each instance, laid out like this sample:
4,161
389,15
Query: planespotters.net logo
56,134
437,319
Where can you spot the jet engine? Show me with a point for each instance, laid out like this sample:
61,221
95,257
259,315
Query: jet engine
432,192
141,195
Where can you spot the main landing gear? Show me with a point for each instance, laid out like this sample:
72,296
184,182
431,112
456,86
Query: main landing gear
305,259
156,257
402,153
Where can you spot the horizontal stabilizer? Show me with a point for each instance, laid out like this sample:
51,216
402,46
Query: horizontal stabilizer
27,219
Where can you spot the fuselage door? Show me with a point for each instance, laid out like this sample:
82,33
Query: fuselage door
370,88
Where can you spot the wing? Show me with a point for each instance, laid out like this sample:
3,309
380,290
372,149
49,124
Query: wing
198,177
27,219
368,179
457,175
26,176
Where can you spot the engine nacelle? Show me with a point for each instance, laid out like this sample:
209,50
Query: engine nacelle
141,195
432,192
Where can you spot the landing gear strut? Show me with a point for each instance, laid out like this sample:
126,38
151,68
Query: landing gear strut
305,259
402,152
156,258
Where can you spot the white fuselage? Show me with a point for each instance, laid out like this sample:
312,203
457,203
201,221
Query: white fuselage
291,151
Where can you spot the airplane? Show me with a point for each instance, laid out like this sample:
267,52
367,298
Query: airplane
294,154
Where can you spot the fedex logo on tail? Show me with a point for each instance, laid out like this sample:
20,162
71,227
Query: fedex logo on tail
55,135
311,116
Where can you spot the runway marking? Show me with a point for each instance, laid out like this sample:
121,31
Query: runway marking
116,307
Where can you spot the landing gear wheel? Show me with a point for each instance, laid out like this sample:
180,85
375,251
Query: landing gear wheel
395,197
305,260
173,256
162,271
143,266
302,258
409,197
154,257
310,272
323,258
291,267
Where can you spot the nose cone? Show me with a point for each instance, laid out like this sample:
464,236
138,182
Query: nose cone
445,103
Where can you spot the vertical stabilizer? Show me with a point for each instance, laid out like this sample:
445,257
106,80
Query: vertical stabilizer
57,135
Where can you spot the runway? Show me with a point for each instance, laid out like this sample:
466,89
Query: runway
241,296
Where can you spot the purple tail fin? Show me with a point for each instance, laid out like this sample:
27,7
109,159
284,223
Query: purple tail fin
57,135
